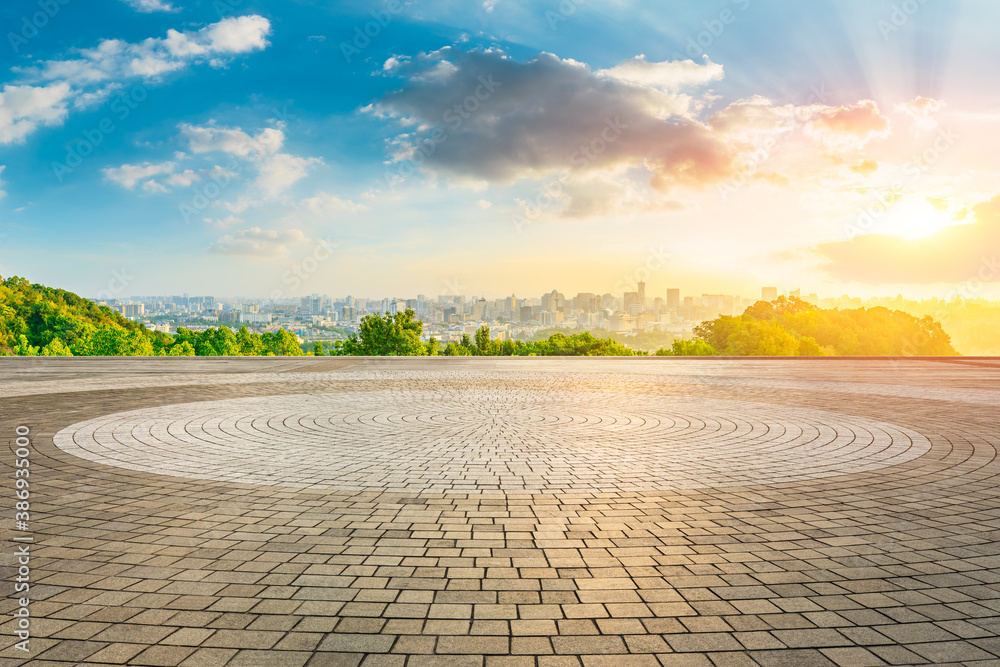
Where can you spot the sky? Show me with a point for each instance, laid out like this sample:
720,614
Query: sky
271,150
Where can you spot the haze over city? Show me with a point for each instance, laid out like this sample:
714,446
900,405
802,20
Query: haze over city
396,148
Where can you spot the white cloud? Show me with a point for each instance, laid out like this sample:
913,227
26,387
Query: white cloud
234,35
327,204
222,223
483,204
922,111
847,128
241,204
667,75
257,242
128,175
149,6
208,138
282,170
182,179
117,60
24,108
48,88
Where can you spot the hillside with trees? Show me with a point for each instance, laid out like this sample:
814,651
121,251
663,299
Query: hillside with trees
36,320
792,327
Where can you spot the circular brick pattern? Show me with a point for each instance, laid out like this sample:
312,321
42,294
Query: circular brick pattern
491,440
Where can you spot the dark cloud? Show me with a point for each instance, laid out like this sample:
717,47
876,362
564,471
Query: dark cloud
485,116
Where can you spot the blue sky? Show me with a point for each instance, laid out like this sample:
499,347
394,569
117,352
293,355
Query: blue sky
224,152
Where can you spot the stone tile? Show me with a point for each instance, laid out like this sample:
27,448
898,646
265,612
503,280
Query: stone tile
817,513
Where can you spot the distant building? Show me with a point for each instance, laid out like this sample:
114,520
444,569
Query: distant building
586,302
768,293
132,310
633,300
673,299
553,301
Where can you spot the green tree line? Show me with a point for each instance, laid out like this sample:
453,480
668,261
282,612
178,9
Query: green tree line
399,335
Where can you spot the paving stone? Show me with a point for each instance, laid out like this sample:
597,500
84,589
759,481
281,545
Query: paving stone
549,512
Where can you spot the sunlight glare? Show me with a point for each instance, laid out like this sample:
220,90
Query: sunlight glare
915,218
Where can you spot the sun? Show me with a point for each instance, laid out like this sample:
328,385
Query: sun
915,218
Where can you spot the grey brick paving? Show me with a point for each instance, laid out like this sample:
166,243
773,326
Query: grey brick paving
541,512
480,440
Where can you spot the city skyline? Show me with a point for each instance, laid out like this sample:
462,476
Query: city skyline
642,317
232,147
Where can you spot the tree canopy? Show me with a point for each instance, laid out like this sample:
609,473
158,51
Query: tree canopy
792,327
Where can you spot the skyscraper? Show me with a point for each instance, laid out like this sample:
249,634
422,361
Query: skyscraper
632,302
673,299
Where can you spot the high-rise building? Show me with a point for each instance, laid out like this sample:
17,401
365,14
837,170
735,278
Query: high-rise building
586,302
632,301
553,301
768,293
673,299
132,310
478,308
642,294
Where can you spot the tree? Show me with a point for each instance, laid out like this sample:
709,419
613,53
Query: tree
56,348
808,347
24,348
756,338
483,339
110,340
389,335
687,348
281,343
433,347
181,349
248,344
318,349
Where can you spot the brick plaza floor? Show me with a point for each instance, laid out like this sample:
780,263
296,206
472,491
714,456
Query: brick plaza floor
506,512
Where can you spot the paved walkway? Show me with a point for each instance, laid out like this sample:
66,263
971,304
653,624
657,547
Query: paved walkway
507,512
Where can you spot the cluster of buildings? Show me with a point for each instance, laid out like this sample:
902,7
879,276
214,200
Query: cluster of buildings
449,317
446,317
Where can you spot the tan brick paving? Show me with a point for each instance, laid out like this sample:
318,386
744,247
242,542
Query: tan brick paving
591,512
